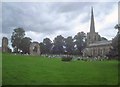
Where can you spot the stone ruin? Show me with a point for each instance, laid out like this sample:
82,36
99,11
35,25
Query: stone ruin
34,48
4,44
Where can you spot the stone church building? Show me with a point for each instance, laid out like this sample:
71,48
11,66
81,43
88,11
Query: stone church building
96,46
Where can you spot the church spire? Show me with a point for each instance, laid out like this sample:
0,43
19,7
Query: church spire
92,26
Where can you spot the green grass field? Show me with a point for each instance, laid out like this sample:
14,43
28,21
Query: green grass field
0,68
36,70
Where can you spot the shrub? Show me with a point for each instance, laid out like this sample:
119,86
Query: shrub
66,58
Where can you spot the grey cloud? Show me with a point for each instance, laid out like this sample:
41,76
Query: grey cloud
32,16
46,17
71,6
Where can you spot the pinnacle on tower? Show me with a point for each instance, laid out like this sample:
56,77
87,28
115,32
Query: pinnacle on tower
92,26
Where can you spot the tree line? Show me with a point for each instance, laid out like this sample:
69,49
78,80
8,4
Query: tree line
60,45
115,51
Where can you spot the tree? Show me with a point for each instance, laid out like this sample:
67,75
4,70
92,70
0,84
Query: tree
16,38
116,41
80,41
58,45
69,44
9,50
42,48
47,45
117,26
115,51
25,44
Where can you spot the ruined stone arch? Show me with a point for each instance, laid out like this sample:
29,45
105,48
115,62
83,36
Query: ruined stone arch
34,48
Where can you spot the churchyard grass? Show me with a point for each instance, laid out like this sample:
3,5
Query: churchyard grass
0,68
38,70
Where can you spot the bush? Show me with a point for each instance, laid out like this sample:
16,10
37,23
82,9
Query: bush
66,58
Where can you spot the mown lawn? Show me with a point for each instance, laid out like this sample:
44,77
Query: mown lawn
0,68
36,70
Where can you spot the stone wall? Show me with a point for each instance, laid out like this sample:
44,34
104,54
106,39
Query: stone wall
4,44
35,48
97,50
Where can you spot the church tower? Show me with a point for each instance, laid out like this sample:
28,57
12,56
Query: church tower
92,36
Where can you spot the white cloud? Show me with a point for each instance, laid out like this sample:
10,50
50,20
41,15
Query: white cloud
59,1
41,20
34,35
79,25
105,23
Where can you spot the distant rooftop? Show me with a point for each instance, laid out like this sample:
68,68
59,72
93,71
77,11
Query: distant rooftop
99,43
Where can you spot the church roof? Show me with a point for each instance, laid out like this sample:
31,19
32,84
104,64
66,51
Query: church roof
100,43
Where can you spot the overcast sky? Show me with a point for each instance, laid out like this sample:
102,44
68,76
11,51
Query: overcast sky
49,19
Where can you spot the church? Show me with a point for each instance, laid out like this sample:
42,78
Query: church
95,46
